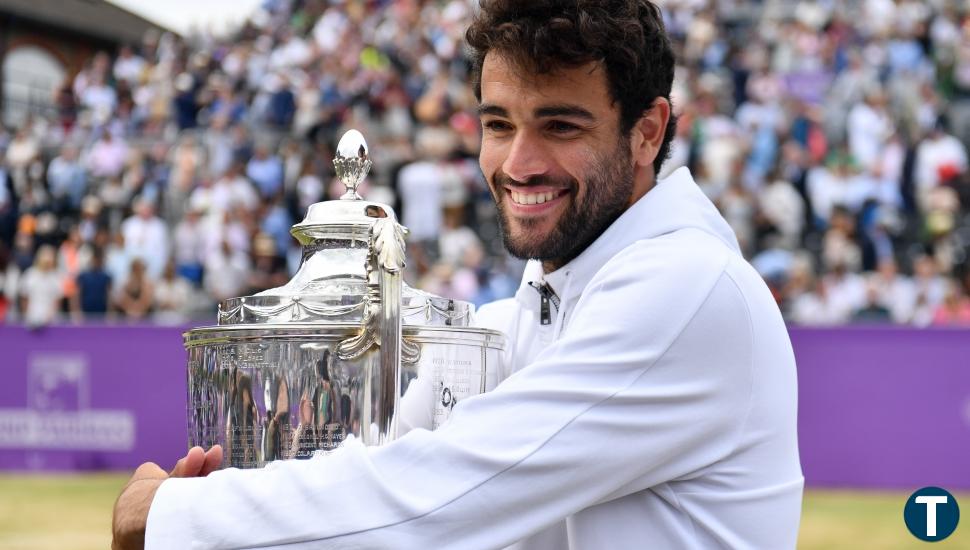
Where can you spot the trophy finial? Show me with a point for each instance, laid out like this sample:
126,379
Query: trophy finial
352,162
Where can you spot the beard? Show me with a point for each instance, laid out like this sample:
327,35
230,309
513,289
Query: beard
609,186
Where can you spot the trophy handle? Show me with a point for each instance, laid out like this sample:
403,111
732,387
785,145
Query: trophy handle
388,251
382,324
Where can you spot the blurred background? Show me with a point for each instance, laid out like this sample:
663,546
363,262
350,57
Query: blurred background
153,156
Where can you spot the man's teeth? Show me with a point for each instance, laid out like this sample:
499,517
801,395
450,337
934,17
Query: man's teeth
532,198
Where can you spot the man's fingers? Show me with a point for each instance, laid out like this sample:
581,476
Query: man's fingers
191,464
148,470
197,462
213,459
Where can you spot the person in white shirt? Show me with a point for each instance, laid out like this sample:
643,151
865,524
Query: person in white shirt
782,205
129,66
651,396
41,289
146,237
869,127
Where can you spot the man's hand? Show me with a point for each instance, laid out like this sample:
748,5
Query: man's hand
131,508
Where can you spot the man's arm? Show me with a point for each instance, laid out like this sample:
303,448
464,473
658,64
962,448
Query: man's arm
602,413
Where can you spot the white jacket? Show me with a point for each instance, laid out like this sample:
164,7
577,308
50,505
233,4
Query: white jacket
656,411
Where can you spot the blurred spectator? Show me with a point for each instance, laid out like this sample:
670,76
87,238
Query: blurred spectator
873,311
116,258
6,280
895,292
309,186
845,292
72,258
115,200
190,243
93,297
815,307
185,103
226,271
135,297
41,289
277,223
458,245
185,163
99,98
266,170
8,210
107,157
282,102
940,158
66,180
218,142
90,222
233,190
930,290
839,247
146,237
67,107
783,211
869,126
738,207
421,185
21,151
269,267
128,66
955,308
173,296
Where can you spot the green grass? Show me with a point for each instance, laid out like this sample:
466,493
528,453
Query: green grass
837,520
70,512
73,512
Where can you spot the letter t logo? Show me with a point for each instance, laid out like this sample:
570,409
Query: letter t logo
931,502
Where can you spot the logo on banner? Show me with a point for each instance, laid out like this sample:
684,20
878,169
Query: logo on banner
931,514
58,415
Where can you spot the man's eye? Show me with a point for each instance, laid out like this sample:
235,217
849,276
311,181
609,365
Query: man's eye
496,126
560,127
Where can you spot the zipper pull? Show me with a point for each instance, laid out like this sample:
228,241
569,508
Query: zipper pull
545,316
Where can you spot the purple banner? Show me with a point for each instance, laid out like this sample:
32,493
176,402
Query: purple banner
878,407
884,407
91,397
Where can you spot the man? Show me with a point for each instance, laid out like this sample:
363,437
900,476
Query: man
652,398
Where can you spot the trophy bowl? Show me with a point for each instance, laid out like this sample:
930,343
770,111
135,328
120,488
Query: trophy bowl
344,350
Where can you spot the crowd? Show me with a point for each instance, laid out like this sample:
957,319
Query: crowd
831,135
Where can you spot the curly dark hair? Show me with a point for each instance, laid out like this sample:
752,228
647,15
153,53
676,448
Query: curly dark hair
627,36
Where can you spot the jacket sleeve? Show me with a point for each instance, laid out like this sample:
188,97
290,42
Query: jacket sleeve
603,412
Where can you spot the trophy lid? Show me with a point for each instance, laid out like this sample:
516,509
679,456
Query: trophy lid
352,164
335,281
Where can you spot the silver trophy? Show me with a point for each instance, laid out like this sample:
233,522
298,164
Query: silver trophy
344,349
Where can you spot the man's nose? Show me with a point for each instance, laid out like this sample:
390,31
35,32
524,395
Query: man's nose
526,158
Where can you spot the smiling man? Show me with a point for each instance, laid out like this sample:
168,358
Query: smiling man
651,394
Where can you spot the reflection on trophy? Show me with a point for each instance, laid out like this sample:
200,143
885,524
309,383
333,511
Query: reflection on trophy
344,350
276,425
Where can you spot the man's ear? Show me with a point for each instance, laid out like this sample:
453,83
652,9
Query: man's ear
648,133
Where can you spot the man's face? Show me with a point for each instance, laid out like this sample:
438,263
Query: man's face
554,158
